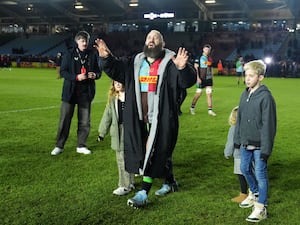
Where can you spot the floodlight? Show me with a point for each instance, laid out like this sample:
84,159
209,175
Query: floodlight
78,5
210,1
268,60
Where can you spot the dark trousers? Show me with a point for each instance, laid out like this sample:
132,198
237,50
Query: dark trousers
66,115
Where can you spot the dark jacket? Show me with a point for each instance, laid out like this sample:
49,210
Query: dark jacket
256,120
164,128
69,73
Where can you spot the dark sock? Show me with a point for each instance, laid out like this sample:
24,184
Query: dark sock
243,184
147,184
170,179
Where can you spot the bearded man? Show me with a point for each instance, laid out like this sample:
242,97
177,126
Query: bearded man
153,80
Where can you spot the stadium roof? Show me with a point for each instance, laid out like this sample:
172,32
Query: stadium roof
99,11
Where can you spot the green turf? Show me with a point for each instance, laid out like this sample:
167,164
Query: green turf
37,188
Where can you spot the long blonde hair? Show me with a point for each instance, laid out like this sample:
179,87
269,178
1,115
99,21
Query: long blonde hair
112,92
233,116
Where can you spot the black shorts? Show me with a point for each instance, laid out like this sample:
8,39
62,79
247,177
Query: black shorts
205,83
239,74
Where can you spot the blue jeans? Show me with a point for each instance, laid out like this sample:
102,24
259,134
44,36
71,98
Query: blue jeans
257,177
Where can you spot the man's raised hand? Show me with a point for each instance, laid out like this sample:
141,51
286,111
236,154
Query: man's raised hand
102,48
181,58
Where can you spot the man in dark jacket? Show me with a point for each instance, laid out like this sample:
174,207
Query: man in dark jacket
79,69
152,79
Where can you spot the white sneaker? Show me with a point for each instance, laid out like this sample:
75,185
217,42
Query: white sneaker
249,201
83,150
57,151
259,213
121,191
211,113
192,111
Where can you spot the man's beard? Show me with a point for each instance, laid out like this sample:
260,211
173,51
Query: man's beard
155,52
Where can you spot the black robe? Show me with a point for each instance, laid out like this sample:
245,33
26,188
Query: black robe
164,128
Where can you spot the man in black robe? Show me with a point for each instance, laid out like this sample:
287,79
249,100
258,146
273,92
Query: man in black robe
153,80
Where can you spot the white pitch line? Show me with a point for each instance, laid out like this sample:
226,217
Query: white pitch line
30,109
35,109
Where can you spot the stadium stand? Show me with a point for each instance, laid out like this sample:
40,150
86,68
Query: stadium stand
47,30
34,44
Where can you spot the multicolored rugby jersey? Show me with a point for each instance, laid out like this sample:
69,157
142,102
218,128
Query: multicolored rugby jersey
148,76
206,63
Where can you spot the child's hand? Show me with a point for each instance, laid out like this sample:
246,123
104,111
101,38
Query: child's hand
264,157
227,157
99,139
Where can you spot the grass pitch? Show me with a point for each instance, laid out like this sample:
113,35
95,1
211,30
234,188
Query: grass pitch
37,188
